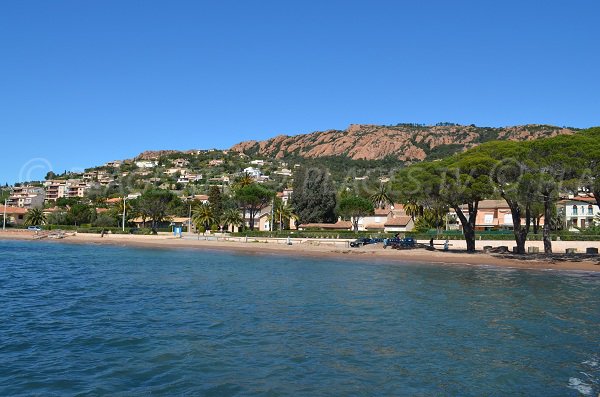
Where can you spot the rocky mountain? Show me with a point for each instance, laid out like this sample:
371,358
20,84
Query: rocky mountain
406,142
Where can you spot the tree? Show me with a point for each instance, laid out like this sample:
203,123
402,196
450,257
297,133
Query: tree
79,214
154,205
413,209
231,217
203,216
590,140
282,214
215,198
459,182
512,176
432,218
251,199
314,197
105,220
466,182
242,181
34,217
355,208
381,197
559,162
65,202
57,218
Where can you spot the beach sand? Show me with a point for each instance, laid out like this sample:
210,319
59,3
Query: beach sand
340,250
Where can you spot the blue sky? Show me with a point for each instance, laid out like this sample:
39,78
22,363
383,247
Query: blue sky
85,82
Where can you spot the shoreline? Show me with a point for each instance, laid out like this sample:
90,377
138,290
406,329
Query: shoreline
324,249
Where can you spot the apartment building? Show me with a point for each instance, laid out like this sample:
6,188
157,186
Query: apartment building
27,197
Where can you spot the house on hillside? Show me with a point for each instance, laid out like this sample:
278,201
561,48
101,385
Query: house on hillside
113,164
253,172
578,212
146,163
180,163
27,197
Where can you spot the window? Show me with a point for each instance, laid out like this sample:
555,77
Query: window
574,210
488,219
590,209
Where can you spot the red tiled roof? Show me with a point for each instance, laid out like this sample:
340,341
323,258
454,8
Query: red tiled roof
399,221
374,226
590,200
14,210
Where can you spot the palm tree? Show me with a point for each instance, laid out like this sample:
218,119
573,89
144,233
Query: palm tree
243,181
34,217
203,216
413,209
381,197
231,217
283,212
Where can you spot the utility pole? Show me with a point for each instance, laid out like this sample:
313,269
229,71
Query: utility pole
272,214
4,217
124,202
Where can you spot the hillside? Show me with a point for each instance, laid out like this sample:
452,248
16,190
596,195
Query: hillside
405,142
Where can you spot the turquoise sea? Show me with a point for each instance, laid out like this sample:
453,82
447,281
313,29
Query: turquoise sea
85,320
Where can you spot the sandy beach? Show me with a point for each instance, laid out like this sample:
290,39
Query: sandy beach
340,249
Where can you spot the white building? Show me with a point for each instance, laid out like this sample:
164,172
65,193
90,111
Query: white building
578,212
146,163
391,218
253,172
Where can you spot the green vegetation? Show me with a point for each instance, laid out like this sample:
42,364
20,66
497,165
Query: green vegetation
252,199
355,208
35,217
314,196
529,176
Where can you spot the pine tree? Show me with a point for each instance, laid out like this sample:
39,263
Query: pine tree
314,197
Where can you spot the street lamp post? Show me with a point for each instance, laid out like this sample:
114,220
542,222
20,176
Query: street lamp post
124,199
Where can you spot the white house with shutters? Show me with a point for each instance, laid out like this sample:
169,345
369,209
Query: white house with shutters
578,212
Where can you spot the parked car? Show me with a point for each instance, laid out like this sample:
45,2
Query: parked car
34,228
359,242
406,242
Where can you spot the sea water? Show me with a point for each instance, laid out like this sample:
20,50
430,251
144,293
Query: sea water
105,320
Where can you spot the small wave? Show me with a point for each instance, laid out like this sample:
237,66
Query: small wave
592,363
580,386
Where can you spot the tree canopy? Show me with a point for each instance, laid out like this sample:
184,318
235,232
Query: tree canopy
314,196
355,208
